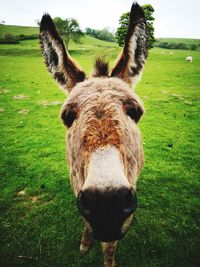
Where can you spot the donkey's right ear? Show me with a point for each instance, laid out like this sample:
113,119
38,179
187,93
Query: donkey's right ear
59,63
130,65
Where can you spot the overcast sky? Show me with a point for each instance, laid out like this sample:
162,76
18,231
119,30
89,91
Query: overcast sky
173,18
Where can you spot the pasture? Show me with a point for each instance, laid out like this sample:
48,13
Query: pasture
16,30
40,224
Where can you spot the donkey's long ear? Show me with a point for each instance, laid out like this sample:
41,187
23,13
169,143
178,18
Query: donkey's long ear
59,64
131,62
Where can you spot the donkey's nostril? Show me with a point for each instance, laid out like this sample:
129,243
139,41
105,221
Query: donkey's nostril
84,203
130,201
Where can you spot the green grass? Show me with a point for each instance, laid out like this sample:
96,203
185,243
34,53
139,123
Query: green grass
44,224
16,30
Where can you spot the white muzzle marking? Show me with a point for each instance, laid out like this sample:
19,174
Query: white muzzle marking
106,170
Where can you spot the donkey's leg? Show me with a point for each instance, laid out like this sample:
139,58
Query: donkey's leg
109,249
85,241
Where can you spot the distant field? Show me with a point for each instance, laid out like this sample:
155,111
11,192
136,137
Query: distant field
39,223
16,30
180,40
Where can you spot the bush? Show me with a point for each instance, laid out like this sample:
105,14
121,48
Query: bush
9,37
22,37
172,45
182,46
3,41
194,46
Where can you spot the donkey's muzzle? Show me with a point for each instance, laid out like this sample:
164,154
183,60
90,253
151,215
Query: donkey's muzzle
106,211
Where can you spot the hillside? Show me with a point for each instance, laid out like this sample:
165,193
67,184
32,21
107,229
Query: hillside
16,30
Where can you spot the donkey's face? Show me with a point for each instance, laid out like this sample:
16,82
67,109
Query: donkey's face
104,153
104,148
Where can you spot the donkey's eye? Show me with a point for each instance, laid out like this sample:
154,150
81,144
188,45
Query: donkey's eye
133,110
134,113
69,117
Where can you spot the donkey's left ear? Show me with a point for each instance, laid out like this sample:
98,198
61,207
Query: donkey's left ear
59,63
131,62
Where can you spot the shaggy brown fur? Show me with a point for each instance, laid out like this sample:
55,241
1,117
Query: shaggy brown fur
102,121
102,111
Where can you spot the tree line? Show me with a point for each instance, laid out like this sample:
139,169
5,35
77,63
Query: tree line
104,34
175,45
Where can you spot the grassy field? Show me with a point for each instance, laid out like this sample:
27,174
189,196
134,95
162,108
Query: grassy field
16,30
39,223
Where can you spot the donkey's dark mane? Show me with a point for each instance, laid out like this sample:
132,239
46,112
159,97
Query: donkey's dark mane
101,68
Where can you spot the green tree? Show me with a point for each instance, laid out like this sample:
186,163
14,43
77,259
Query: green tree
69,30
122,30
124,22
148,10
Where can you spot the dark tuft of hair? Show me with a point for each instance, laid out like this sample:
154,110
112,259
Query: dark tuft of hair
101,68
136,13
47,25
46,22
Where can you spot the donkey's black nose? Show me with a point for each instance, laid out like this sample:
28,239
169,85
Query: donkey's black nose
106,211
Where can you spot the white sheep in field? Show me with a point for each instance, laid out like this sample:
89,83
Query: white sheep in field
189,58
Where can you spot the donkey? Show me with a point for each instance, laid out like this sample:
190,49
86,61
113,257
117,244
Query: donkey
104,148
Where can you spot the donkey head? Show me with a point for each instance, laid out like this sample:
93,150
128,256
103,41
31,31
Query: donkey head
104,149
